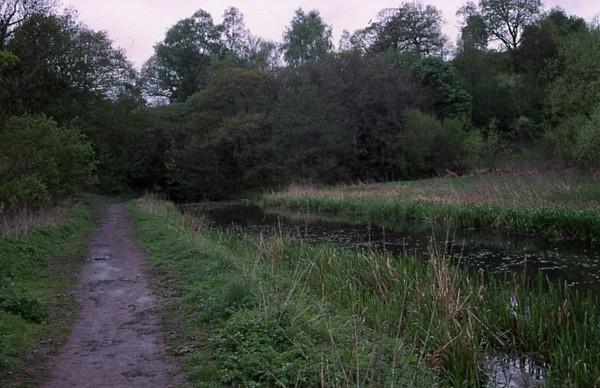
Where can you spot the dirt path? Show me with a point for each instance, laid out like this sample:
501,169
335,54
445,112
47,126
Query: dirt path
117,339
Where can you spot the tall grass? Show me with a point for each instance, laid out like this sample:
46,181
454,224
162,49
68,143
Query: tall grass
248,322
452,318
157,204
23,221
446,318
555,205
552,223
532,189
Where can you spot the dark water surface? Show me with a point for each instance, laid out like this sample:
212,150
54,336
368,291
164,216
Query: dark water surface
578,265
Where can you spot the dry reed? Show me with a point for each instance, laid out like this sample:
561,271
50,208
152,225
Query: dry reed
21,222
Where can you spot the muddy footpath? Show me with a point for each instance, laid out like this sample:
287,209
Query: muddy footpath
117,339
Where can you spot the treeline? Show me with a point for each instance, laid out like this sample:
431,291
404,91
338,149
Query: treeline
217,112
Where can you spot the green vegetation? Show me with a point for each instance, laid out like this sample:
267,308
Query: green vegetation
551,205
258,310
218,113
244,314
37,272
41,162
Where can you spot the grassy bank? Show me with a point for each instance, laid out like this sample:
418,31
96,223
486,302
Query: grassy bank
244,315
550,205
38,267
255,311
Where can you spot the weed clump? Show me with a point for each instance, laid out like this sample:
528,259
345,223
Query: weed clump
30,309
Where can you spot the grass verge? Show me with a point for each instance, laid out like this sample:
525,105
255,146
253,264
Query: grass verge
243,320
37,271
252,311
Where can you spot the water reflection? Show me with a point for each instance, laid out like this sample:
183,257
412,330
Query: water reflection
576,264
515,371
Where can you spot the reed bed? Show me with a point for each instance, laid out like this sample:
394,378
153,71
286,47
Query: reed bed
554,206
416,316
451,318
535,188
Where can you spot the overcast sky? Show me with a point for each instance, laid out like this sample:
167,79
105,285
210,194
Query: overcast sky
136,25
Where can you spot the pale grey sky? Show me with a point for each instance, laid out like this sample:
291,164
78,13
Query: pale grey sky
136,25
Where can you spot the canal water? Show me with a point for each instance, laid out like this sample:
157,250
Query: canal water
577,265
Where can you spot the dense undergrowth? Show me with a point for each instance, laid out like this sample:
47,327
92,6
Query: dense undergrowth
37,270
268,311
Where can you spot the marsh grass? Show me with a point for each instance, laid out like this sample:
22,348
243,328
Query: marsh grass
355,318
259,321
452,318
535,188
157,204
553,207
23,221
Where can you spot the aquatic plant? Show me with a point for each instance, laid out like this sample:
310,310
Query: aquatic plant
447,318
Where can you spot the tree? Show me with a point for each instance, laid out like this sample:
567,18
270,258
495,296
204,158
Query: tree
42,161
577,90
335,119
64,66
125,144
7,61
235,35
345,43
180,64
307,39
473,32
540,47
98,67
310,142
263,54
452,98
14,12
412,27
506,19
539,60
226,150
242,48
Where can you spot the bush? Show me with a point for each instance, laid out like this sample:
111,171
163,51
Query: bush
426,145
41,161
577,139
587,140
483,148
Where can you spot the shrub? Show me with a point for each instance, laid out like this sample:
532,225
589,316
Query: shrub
562,137
41,161
577,139
587,140
425,145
